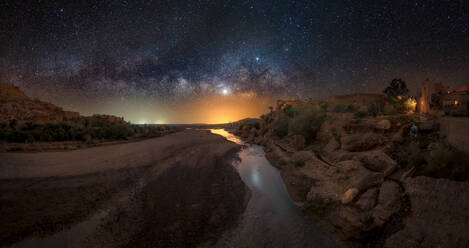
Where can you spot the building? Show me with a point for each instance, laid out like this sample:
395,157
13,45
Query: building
431,97
281,104
437,99
456,103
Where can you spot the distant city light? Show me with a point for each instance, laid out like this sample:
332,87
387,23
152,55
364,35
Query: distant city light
257,59
225,91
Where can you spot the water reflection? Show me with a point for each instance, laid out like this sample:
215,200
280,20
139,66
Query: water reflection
271,218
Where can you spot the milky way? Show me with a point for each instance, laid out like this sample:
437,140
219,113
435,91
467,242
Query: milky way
94,55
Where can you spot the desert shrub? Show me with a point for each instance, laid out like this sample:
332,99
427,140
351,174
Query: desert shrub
389,110
339,108
307,121
374,110
307,125
443,161
360,114
323,107
291,111
280,125
351,108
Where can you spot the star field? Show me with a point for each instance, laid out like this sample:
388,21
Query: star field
91,55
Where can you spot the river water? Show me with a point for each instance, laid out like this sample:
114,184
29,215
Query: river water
271,218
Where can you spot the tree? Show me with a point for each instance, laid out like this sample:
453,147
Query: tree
397,93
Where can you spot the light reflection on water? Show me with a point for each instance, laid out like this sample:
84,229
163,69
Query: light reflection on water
271,218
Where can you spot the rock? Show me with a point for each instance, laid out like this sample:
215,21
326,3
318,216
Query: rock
332,145
383,125
389,202
351,223
377,161
398,137
439,214
349,195
302,156
368,199
362,142
408,173
299,142
369,181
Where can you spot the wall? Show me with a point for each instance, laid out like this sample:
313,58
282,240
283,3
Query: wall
456,131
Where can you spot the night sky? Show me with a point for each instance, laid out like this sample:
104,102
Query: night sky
187,61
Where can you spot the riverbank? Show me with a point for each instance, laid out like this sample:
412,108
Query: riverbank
179,190
350,176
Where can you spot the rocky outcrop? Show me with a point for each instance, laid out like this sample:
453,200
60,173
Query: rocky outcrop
377,161
362,142
348,180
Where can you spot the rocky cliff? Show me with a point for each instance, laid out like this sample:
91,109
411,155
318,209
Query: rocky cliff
346,178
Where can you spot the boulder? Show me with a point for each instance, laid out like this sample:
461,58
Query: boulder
349,195
302,156
377,161
332,145
389,202
383,125
351,223
361,142
298,142
369,180
368,199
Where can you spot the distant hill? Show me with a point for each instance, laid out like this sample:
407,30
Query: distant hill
16,106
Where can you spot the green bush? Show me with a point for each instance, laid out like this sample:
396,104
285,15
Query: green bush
351,108
307,124
360,114
280,125
374,110
339,108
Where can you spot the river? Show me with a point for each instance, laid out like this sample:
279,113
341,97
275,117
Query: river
271,218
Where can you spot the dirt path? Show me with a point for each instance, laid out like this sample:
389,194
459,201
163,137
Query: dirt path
174,191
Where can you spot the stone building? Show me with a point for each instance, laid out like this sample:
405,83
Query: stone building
456,103
437,99
431,97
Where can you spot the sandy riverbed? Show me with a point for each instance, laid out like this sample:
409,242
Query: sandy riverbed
174,191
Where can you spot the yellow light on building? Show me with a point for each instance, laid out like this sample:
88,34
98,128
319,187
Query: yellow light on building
456,102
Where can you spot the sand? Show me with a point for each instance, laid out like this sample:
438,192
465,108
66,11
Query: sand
178,190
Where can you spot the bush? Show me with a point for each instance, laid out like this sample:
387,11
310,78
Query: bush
280,125
339,108
323,107
351,108
307,123
441,162
360,114
374,110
